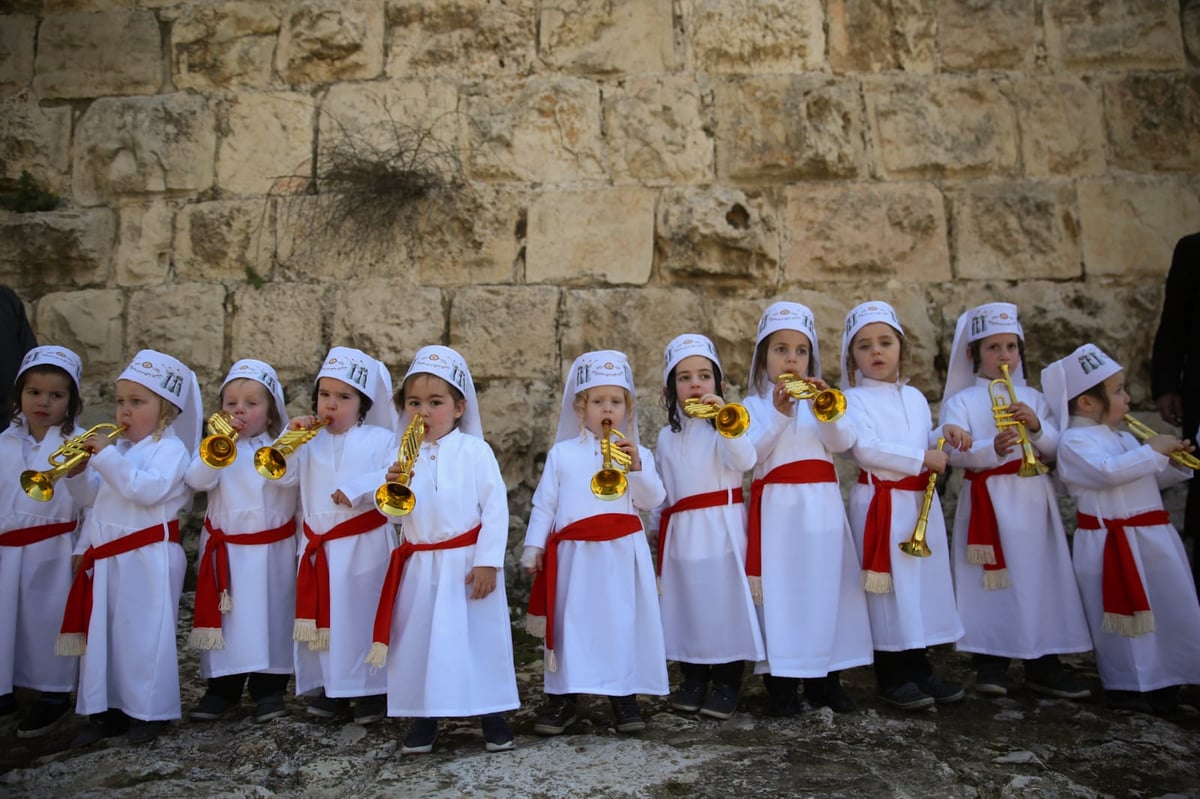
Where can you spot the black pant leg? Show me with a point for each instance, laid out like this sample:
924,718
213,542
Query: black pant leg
264,685
695,672
991,664
729,673
228,687
890,669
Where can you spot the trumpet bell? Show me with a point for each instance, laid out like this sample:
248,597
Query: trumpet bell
609,484
270,463
829,405
732,420
39,485
1032,469
916,546
395,499
218,451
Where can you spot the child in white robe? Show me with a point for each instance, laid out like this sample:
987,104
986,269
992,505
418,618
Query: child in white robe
594,599
1129,560
37,536
1011,561
442,622
246,576
709,622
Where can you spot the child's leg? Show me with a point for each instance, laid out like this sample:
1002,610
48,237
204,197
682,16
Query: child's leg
896,675
726,682
991,674
51,708
422,734
267,691
497,735
557,714
1046,675
689,696
370,709
944,692
627,714
222,695
783,695
828,692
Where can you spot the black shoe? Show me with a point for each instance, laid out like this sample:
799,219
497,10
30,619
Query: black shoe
211,707
99,727
689,696
1135,701
496,733
422,734
906,697
1058,683
944,692
721,702
141,732
991,682
783,695
627,714
269,707
370,709
1163,701
43,717
8,706
557,715
323,707
828,692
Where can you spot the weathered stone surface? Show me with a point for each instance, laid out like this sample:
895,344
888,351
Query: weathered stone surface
994,34
463,38
318,239
600,37
389,322
143,145
16,53
763,36
869,36
604,236
1152,121
1062,127
943,126
1118,33
264,137
144,242
280,323
90,322
379,118
472,236
220,242
225,45
97,54
1130,226
36,139
723,234
1015,231
509,409
182,319
855,233
57,249
658,130
787,127
1189,20
544,130
507,332
322,41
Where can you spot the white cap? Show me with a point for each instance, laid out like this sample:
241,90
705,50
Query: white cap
685,346
167,377
447,364
859,317
785,316
590,370
974,325
61,357
1066,379
260,372
356,368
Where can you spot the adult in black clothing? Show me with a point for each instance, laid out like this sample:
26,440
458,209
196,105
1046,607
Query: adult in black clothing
16,339
1175,366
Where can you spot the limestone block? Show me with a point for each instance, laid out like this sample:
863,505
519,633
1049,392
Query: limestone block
869,36
323,41
264,137
1117,33
1152,122
16,53
719,233
506,331
598,37
90,322
83,54
473,235
1130,226
139,145
1015,231
855,232
464,38
223,241
605,236
545,129
379,119
225,45
519,418
144,242
943,126
1189,20
281,324
1062,127
989,35
320,239
787,127
389,322
757,36
57,249
182,319
36,139
659,129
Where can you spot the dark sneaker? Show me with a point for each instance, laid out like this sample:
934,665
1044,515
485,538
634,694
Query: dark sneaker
1058,684
8,706
43,717
783,696
828,692
944,692
721,702
991,683
689,696
1163,701
557,715
422,734
99,727
211,707
269,707
323,707
906,697
497,735
142,732
370,709
1134,701
627,714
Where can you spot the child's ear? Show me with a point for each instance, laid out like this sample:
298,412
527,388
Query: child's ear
970,354
460,407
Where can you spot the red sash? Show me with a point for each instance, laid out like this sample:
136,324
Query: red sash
382,633
1126,609
983,531
32,535
712,499
809,471
312,580
877,533
72,636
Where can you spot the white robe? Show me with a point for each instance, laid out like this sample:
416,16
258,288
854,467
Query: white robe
35,579
892,426
262,577
607,623
451,655
814,610
352,462
1112,476
131,663
707,611
1040,612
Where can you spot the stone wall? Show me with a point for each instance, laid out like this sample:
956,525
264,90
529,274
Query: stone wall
634,170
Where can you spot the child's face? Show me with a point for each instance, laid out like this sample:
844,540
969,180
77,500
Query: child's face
248,401
1118,400
995,350
339,403
876,351
138,408
788,351
604,402
430,397
694,378
45,398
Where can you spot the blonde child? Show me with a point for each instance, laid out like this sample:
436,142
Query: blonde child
910,599
123,605
814,610
1013,581
246,576
594,599
1129,561
443,605
346,540
36,537
709,623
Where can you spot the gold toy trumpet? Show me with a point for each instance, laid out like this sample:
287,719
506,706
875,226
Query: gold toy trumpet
1030,465
610,482
828,405
40,485
1143,432
732,420
915,545
219,447
271,462
397,499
